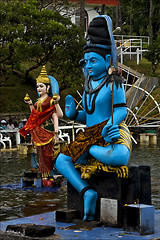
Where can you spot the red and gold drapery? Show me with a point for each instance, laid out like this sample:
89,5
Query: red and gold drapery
40,135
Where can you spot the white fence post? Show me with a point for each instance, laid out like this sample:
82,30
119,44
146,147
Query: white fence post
141,48
121,55
137,56
130,49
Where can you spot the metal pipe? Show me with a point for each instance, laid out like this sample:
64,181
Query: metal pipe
146,108
147,119
138,100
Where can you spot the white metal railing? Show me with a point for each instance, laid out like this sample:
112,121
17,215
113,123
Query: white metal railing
16,131
67,133
70,132
120,39
4,139
135,45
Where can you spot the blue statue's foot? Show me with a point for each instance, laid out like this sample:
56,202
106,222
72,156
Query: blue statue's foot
90,200
88,218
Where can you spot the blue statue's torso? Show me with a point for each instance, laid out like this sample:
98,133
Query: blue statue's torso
97,101
98,108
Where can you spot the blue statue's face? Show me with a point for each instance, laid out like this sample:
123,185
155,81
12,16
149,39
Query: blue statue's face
95,65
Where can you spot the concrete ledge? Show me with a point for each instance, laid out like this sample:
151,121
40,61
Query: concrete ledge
8,149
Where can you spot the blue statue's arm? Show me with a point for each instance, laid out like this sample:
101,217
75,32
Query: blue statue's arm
71,111
111,131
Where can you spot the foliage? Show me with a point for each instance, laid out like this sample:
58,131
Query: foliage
136,12
65,7
37,36
67,69
153,54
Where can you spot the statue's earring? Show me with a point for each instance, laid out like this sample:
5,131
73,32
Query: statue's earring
115,71
47,90
111,69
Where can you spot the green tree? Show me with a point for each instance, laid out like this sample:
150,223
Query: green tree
153,54
35,36
67,68
142,16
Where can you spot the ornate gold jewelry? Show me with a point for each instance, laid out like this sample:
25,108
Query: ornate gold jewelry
39,103
43,77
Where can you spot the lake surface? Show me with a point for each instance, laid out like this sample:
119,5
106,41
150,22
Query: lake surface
16,202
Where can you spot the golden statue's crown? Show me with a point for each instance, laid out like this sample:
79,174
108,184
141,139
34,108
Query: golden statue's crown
43,77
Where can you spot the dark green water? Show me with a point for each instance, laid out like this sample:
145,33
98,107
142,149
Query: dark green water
16,203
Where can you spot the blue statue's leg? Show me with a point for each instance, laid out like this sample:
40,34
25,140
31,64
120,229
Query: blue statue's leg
65,166
67,169
113,155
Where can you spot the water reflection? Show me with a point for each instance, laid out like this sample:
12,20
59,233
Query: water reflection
16,203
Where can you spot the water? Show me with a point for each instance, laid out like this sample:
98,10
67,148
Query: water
149,155
17,203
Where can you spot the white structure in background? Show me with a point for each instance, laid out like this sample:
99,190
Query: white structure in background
92,9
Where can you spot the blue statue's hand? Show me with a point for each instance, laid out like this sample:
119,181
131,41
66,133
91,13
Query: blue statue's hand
70,106
111,133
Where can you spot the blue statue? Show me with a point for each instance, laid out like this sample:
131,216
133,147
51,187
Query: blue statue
106,136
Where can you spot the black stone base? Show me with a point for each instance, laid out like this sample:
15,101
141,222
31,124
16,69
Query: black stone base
31,230
32,175
67,215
